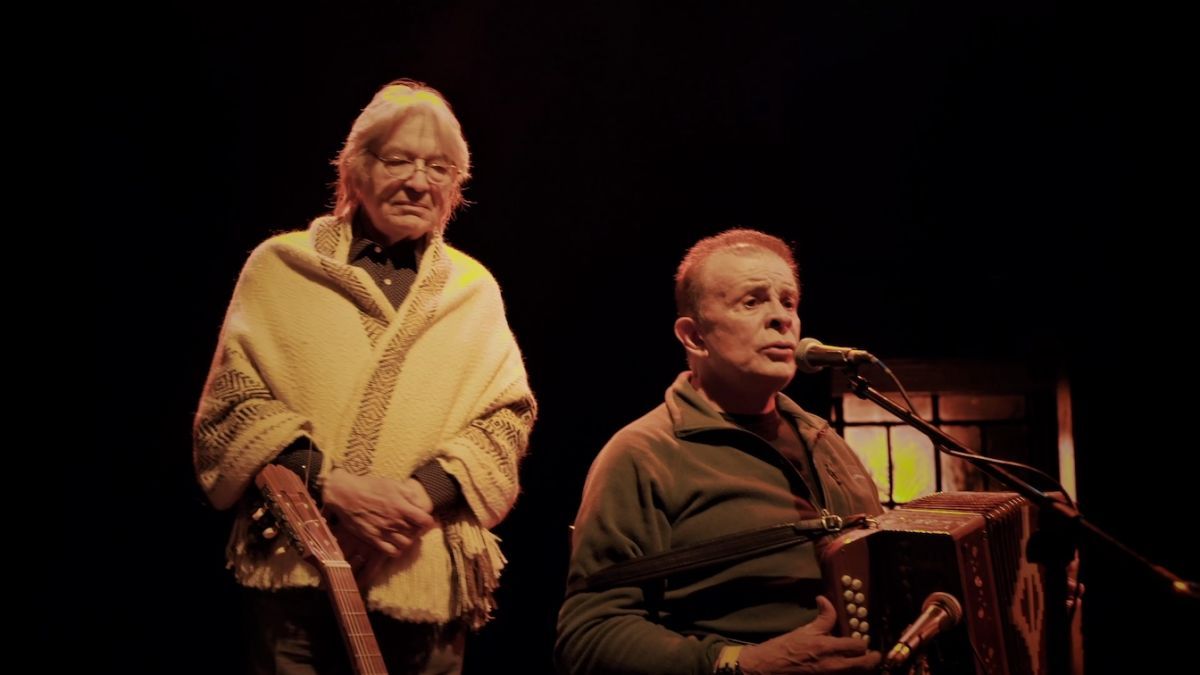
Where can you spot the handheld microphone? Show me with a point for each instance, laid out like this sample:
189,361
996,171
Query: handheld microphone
940,613
812,356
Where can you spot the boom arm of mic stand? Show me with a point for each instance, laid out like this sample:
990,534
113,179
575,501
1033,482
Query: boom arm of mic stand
863,389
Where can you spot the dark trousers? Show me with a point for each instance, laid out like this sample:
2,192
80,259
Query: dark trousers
295,632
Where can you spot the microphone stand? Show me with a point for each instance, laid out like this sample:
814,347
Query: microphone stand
1046,503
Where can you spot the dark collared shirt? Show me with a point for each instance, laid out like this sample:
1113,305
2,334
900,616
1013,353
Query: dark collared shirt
394,268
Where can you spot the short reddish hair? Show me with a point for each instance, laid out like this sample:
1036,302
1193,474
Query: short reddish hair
687,286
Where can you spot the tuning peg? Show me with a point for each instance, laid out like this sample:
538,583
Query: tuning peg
269,533
258,514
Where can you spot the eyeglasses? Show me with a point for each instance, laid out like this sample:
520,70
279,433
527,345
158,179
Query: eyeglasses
436,172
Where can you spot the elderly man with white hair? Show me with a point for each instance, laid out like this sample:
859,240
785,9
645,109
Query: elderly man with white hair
376,361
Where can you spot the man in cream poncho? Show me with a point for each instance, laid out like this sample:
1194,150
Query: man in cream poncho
376,361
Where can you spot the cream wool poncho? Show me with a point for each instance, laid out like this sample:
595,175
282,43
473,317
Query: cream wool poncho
311,347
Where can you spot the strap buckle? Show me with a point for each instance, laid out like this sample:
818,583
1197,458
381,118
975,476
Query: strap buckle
831,522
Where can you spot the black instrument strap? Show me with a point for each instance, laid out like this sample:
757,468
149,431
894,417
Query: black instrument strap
727,549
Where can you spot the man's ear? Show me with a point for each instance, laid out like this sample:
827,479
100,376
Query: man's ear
687,331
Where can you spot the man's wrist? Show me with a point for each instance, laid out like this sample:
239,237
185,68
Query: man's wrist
439,487
727,661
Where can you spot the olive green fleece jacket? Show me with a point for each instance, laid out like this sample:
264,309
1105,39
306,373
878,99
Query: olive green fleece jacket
682,475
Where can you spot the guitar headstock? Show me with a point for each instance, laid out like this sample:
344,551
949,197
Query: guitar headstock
295,510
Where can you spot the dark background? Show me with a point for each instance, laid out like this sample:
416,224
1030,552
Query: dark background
978,180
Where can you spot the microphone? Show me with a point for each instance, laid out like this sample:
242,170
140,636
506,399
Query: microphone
940,613
812,356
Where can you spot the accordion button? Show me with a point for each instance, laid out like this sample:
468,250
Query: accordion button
862,612
852,609
856,584
854,623
856,634
848,595
860,598
864,626
845,579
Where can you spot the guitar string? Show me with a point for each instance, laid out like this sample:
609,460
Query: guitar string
360,622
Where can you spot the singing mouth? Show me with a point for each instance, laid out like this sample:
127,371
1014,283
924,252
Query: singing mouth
779,352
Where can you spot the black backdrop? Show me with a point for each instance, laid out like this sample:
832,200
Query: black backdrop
979,181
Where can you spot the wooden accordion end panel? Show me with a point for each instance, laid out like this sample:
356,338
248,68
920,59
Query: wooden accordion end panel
984,548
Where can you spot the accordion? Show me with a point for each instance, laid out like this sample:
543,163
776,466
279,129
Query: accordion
991,551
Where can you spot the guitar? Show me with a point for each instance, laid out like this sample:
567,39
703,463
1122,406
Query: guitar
294,509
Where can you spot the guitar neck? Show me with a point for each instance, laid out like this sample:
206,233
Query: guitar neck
352,619
295,510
